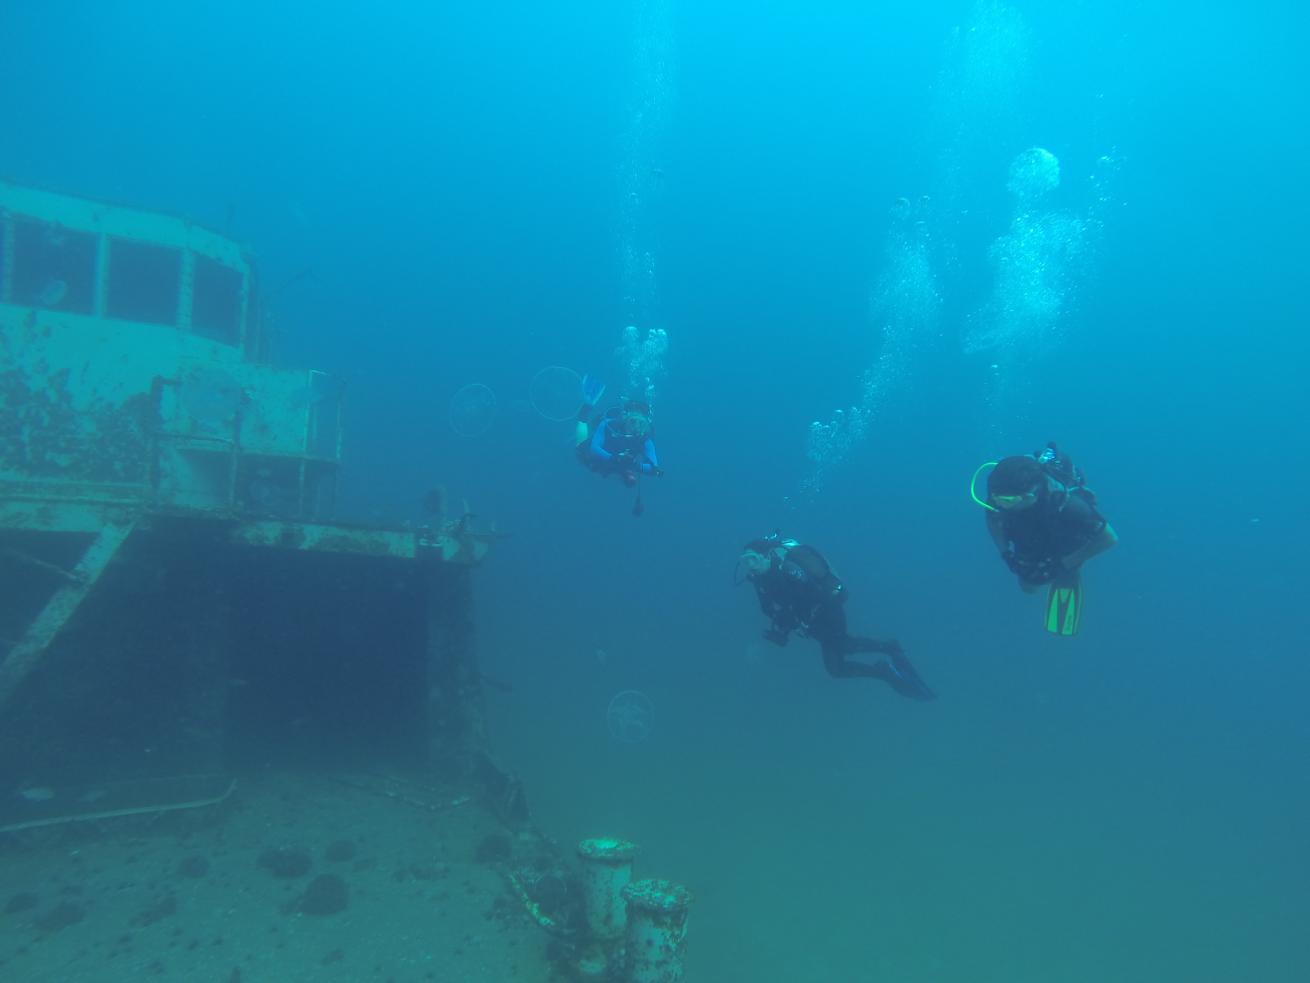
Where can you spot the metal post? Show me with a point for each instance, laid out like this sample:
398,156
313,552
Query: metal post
606,870
6,257
456,715
657,930
186,285
63,604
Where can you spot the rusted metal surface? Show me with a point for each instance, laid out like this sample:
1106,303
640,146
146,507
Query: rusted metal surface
126,340
132,401
274,533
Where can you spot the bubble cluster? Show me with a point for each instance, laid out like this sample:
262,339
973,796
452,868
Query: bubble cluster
641,176
905,309
1034,174
1037,264
645,356
1103,185
980,104
829,443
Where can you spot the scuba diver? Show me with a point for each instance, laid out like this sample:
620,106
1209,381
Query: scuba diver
621,441
798,591
1044,521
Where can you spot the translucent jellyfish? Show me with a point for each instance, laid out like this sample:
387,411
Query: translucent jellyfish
52,294
556,393
630,716
1034,174
472,410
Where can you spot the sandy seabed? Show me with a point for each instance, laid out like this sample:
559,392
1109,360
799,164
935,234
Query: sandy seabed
294,877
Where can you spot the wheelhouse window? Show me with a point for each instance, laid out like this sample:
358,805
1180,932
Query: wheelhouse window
216,301
53,267
144,282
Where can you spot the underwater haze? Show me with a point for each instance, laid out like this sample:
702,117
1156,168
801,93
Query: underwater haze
865,248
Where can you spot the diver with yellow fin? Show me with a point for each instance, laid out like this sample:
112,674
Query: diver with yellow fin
1044,521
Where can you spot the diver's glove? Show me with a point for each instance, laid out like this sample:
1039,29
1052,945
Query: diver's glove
656,472
1032,571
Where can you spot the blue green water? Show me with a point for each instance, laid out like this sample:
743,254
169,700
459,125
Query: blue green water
814,205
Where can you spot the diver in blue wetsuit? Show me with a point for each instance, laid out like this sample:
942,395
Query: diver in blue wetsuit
621,441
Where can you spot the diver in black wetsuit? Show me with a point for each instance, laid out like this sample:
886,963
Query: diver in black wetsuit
797,590
1045,523
1044,519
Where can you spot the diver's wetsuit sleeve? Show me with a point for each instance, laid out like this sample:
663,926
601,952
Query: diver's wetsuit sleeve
652,459
996,529
1084,533
598,450
773,603
1094,517
1083,520
1054,530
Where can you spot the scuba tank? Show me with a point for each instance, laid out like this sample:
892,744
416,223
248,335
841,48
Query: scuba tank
1055,465
1059,467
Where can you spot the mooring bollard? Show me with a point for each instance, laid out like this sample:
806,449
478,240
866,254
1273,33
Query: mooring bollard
605,871
657,930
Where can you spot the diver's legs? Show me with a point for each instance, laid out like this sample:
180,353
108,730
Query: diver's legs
828,628
859,643
835,651
897,671
901,676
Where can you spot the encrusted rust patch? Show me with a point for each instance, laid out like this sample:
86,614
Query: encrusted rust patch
43,434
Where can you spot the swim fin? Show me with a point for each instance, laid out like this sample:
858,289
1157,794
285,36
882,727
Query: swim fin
592,390
1064,607
901,676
